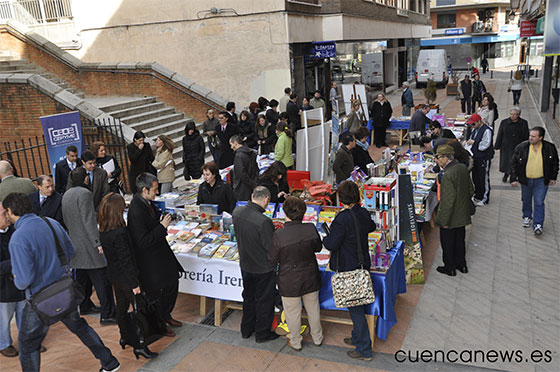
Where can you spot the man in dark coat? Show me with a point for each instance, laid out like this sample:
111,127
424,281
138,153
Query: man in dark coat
46,201
419,120
254,237
232,116
141,157
482,149
292,110
466,93
99,186
343,162
225,130
534,165
158,267
407,101
454,197
478,90
512,132
245,169
64,167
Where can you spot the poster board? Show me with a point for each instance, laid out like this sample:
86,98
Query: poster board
348,91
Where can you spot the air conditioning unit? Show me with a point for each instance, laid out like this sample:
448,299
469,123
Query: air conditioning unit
478,27
489,13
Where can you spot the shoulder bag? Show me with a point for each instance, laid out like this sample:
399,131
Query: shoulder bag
353,288
53,302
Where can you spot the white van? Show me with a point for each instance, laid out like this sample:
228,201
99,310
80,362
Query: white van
432,64
372,68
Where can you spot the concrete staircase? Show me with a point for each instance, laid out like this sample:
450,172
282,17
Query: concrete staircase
10,65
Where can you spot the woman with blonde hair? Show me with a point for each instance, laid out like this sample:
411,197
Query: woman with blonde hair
515,86
164,163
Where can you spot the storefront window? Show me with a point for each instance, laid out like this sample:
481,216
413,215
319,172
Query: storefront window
446,20
495,50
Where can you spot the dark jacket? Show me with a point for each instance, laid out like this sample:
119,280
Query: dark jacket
407,99
244,173
419,121
99,188
521,155
342,239
456,190
343,164
119,252
466,88
232,118
8,290
226,153
156,262
268,134
272,117
477,136
444,133
294,119
253,231
273,188
247,133
139,160
293,250
210,126
478,89
52,207
221,194
193,155
61,172
114,184
381,114
361,158
509,136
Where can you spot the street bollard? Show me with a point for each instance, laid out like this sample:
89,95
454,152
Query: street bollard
511,74
536,73
491,74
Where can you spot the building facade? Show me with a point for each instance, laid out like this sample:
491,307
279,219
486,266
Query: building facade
471,29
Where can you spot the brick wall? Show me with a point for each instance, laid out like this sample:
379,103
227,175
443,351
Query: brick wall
96,83
466,18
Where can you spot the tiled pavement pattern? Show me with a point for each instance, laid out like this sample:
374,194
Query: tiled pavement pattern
509,300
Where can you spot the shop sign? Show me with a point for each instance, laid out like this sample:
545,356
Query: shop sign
455,31
540,25
528,28
324,49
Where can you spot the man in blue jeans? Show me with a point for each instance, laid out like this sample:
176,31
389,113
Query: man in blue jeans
35,264
534,165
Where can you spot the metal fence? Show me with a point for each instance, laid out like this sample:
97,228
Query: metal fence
30,157
36,11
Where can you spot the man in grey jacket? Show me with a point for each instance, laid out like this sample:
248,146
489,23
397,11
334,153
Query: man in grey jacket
79,217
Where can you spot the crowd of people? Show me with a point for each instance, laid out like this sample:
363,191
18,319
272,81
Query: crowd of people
122,259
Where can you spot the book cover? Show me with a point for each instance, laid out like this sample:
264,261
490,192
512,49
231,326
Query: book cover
230,254
208,250
198,247
221,251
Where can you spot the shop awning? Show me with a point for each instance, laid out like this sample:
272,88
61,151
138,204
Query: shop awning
469,39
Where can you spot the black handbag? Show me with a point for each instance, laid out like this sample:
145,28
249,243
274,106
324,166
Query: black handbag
144,324
53,302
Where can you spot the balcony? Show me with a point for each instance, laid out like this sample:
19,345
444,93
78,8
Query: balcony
484,28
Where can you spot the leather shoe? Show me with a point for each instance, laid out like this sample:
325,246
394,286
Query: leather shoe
443,270
247,335
169,333
90,310
42,349
269,337
354,355
505,178
9,352
464,269
108,321
348,341
174,323
292,346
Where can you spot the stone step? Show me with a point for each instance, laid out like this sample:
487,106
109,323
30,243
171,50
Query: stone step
160,125
128,104
12,61
144,116
136,110
26,66
28,71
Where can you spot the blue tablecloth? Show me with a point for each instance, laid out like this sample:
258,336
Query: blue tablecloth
386,287
395,124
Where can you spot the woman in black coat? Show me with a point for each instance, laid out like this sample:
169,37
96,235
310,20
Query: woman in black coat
272,180
512,132
225,131
343,244
193,152
293,250
265,135
215,191
246,129
381,112
141,157
360,153
121,265
102,158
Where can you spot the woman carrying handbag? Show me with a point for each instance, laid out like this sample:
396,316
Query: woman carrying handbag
121,265
348,237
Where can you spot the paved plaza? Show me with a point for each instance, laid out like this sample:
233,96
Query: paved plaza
508,302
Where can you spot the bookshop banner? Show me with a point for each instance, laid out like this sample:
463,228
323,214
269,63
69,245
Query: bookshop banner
61,131
408,232
213,278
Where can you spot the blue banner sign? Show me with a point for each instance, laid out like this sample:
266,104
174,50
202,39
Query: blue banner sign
454,31
324,49
61,131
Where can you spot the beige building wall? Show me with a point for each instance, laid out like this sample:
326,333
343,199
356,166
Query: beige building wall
240,55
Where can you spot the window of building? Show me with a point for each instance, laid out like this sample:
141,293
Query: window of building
445,2
380,2
446,20
412,6
403,4
390,2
